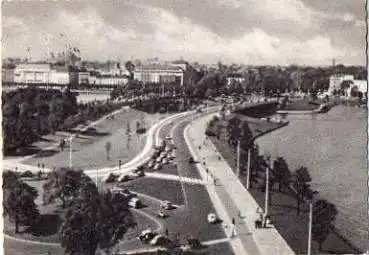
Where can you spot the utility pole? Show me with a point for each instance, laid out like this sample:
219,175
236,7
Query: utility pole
310,226
267,190
238,158
70,152
248,168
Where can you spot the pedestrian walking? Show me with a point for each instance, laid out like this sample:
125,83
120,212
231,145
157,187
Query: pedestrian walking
233,228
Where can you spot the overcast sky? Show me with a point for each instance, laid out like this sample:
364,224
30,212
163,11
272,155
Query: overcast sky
281,32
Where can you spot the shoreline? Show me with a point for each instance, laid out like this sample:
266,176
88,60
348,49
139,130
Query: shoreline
335,237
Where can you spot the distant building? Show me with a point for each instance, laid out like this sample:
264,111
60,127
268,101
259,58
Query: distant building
7,75
360,85
159,73
336,80
236,77
32,73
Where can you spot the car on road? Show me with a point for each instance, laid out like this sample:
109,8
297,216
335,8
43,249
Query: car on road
137,173
147,235
123,191
165,161
163,154
160,240
168,148
212,218
158,160
191,160
162,214
157,166
151,164
167,205
124,178
134,202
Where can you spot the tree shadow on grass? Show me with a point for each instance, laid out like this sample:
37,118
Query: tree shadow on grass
47,225
46,153
30,150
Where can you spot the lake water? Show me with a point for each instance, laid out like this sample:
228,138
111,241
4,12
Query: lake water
333,146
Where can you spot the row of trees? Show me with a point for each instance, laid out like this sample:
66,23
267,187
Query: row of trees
30,113
206,82
90,220
297,182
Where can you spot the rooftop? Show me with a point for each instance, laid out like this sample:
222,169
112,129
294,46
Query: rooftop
33,66
158,67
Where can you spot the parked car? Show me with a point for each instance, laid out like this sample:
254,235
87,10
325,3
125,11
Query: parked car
158,160
110,178
138,173
212,218
124,178
191,160
162,214
167,205
165,161
151,164
147,235
157,166
160,240
134,202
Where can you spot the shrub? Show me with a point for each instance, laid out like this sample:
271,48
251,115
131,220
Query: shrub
27,174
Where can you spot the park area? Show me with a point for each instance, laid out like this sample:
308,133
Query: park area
90,149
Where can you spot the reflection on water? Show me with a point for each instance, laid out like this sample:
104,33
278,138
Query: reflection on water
333,146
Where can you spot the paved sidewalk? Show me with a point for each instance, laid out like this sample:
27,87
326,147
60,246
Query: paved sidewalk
235,197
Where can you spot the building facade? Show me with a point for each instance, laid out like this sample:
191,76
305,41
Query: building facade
158,73
336,80
40,74
7,75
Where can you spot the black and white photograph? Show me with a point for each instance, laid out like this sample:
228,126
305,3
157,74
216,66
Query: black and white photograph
218,127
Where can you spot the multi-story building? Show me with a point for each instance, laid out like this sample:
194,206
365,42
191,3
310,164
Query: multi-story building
7,75
336,80
159,73
40,74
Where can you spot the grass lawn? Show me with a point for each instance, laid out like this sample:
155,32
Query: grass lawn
89,149
161,189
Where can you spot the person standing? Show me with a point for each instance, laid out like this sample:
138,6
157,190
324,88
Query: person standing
233,227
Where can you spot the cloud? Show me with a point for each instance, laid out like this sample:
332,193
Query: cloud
264,32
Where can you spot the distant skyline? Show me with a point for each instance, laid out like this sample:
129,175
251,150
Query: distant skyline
254,32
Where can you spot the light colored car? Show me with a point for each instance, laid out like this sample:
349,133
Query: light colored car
166,205
124,178
147,235
159,240
212,218
163,154
162,214
134,202
165,161
157,166
151,164
168,148
158,160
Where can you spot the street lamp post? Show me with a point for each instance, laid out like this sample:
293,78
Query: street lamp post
267,190
70,151
248,168
238,158
310,226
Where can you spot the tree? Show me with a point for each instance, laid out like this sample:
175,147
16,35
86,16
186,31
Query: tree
300,180
19,201
324,214
130,68
282,173
107,149
95,220
64,183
